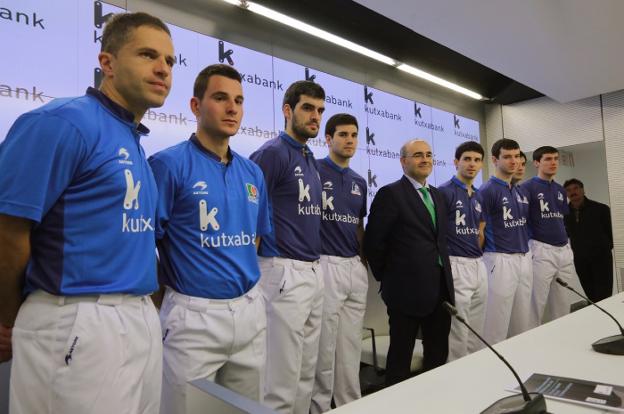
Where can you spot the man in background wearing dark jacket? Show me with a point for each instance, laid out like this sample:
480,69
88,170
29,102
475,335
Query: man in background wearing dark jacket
589,227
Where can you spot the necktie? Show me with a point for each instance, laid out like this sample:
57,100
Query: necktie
426,197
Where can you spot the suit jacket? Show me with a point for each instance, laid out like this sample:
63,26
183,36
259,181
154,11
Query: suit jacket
402,247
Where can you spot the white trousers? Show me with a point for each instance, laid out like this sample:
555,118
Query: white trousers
223,340
551,262
338,365
471,289
293,292
86,354
510,282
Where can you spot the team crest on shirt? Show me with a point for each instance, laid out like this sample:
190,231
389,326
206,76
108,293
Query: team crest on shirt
124,156
298,171
559,196
200,187
328,185
355,189
459,204
252,192
477,206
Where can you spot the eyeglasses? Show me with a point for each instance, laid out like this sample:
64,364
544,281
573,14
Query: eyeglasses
420,155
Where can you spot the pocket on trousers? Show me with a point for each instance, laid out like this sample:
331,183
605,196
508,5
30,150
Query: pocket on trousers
273,282
90,359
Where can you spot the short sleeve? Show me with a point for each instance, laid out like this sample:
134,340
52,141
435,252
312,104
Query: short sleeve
166,185
39,159
364,210
264,219
272,166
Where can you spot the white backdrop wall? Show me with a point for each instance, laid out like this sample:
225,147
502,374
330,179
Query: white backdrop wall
66,35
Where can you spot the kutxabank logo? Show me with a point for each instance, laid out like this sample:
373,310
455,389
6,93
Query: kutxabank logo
420,122
208,222
329,97
371,147
462,134
226,54
370,108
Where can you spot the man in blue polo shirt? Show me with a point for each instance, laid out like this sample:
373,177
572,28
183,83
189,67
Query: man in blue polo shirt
552,255
77,217
506,257
291,281
518,175
345,275
212,207
465,233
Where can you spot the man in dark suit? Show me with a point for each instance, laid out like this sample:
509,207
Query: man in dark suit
589,227
405,244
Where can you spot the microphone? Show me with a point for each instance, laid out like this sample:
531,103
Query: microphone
524,403
613,345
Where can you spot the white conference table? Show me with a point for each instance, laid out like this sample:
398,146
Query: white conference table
472,383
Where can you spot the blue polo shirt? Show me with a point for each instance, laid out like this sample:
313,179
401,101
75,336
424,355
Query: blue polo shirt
464,215
344,207
75,167
294,190
547,206
209,215
505,210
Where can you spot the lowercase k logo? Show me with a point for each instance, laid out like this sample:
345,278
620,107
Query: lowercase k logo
98,18
225,54
372,179
132,191
456,121
417,113
208,218
309,77
368,96
370,137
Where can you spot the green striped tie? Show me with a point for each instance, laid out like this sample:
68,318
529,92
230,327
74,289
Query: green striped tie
426,197
428,203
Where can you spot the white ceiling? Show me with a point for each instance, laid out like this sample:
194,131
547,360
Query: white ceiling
565,49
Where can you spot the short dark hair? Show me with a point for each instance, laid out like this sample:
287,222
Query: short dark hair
337,120
201,81
573,181
541,151
468,146
303,87
506,144
120,26
523,155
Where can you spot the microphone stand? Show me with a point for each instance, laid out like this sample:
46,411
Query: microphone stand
613,345
524,403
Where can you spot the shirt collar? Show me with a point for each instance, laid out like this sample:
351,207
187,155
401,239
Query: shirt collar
416,184
499,181
296,144
542,181
335,166
209,153
463,186
117,110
